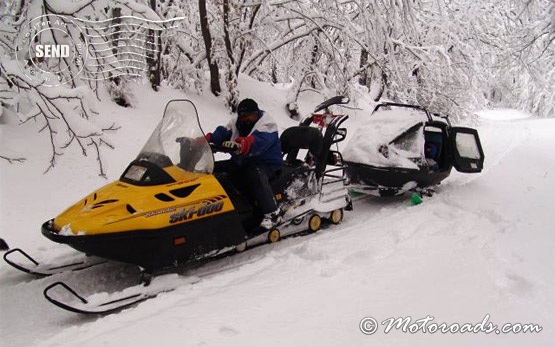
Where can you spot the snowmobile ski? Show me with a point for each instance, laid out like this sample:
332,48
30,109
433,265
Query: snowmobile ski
82,305
3,245
67,298
22,261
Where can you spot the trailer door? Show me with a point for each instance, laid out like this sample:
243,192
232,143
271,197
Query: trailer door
468,155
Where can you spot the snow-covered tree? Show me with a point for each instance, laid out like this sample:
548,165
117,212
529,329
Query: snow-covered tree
523,64
450,56
59,94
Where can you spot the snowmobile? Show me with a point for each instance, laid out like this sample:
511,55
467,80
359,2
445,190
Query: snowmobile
169,207
406,148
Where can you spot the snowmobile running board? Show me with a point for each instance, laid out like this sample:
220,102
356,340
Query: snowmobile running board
33,267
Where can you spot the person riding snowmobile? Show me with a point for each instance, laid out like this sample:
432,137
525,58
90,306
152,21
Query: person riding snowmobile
255,158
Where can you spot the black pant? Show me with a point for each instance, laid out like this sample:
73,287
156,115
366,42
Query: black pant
254,179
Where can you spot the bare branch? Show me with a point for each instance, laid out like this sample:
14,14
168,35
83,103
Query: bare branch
13,160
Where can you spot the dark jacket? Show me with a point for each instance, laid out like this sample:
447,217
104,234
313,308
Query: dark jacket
262,141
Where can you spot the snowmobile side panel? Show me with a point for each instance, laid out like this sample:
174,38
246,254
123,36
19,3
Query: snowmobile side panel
121,207
468,155
158,248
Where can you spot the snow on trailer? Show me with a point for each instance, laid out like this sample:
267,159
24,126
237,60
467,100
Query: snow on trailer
382,135
405,147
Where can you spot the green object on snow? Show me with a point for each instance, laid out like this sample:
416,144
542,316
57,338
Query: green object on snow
415,199
354,193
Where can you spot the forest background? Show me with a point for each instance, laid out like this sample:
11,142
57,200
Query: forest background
453,57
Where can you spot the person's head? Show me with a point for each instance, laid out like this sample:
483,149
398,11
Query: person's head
248,114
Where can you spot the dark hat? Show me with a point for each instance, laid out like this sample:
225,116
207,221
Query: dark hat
247,106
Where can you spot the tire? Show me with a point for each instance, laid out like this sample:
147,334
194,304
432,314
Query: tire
274,235
314,223
336,216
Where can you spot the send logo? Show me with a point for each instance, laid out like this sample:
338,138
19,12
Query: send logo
52,51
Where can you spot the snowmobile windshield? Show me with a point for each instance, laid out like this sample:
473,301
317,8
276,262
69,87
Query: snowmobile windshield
179,140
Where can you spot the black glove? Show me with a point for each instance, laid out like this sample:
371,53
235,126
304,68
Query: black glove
232,146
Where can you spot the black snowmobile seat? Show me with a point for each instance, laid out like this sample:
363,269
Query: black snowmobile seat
431,150
300,137
433,141
433,144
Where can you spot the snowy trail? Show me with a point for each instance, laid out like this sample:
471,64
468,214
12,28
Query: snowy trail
480,246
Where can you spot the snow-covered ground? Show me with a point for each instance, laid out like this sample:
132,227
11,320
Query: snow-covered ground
483,245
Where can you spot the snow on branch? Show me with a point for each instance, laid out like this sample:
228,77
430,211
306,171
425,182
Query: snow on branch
64,115
65,112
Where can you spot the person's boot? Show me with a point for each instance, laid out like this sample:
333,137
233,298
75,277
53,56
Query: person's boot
270,220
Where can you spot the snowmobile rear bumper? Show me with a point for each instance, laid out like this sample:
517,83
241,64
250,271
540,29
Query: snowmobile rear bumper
158,248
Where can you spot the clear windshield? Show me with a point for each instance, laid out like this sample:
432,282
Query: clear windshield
179,140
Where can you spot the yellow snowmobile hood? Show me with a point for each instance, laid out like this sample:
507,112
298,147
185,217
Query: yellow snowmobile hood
120,207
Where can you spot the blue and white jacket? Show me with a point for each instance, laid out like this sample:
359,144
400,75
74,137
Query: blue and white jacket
260,145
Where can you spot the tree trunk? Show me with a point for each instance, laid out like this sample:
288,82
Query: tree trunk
376,81
212,66
313,60
153,42
231,79
363,78
227,38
